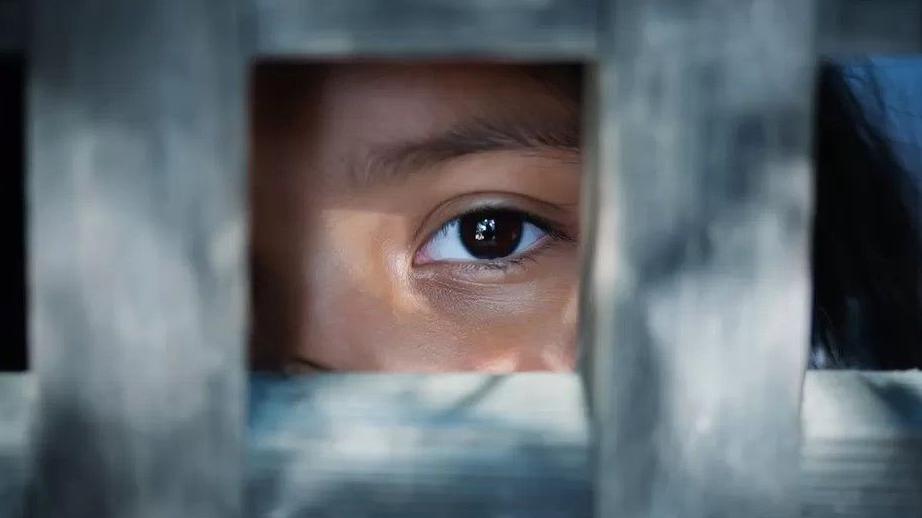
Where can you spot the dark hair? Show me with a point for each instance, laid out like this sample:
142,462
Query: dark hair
867,242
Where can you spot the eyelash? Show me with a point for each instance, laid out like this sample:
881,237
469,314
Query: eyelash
554,235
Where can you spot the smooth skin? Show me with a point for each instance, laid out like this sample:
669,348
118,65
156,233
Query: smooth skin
358,170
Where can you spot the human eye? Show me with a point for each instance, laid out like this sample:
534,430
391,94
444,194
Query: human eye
488,237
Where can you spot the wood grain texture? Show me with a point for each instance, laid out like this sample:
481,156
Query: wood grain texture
699,277
553,29
861,448
862,444
514,29
477,445
455,445
136,247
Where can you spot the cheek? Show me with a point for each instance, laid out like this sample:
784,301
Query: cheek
363,310
356,327
527,326
344,282
360,312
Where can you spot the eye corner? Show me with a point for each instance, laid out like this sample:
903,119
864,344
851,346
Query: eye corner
421,256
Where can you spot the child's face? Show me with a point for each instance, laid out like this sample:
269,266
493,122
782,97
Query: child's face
415,217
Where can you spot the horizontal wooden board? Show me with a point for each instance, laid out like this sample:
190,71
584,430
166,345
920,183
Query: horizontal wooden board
476,445
13,22
861,454
516,29
848,27
519,29
455,445
17,397
522,28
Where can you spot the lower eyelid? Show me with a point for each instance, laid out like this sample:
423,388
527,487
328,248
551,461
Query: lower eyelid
423,254
540,245
306,365
532,254
496,276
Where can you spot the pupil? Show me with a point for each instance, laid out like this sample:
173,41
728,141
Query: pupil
491,234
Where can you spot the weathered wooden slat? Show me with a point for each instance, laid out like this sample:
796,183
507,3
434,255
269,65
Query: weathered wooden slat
862,444
136,247
454,445
699,280
522,29
848,27
557,28
13,23
17,398
475,445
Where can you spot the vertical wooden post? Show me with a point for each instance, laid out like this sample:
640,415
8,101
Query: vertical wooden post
137,264
699,271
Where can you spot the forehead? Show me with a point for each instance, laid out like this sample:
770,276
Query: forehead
330,122
393,102
408,98
446,83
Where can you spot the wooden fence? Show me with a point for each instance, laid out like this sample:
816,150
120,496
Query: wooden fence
136,402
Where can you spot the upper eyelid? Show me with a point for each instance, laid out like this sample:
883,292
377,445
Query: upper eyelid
558,218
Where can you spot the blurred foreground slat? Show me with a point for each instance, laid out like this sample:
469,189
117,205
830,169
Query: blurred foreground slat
17,398
522,29
861,453
862,27
136,248
698,282
403,445
463,445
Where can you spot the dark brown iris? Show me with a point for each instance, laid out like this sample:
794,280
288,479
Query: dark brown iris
490,234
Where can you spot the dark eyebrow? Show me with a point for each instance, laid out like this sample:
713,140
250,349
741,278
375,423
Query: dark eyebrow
480,135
